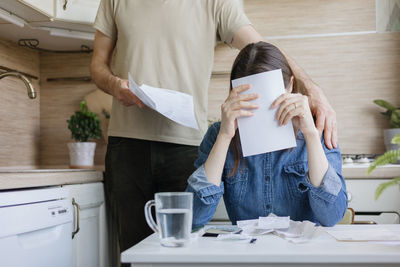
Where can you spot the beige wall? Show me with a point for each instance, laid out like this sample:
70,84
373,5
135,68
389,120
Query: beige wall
19,115
60,99
335,42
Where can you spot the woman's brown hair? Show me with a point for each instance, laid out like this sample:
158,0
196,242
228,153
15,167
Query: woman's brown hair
252,59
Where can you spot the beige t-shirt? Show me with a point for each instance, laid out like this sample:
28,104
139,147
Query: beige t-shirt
167,44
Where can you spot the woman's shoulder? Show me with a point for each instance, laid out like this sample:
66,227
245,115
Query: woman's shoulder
334,153
211,134
213,130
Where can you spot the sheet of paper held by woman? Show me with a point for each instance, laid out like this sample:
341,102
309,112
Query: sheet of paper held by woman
261,133
278,164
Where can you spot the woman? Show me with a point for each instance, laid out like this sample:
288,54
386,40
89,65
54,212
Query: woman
304,182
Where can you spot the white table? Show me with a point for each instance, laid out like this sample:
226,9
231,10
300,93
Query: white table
269,250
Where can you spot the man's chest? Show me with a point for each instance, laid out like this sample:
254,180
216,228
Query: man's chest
163,21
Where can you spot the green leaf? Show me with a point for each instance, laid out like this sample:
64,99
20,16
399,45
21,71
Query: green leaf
396,139
84,125
395,119
389,157
383,186
384,104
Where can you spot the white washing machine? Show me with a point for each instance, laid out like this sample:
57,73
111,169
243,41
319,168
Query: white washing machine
35,228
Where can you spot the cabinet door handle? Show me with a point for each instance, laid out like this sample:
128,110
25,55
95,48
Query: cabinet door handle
74,203
65,4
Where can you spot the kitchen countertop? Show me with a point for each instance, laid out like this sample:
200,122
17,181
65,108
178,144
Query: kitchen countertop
24,178
60,175
269,250
357,170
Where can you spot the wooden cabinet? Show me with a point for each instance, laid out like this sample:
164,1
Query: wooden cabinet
78,11
45,7
89,244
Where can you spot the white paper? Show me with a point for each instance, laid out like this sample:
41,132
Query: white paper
247,223
297,229
261,133
233,237
272,222
365,235
293,231
174,105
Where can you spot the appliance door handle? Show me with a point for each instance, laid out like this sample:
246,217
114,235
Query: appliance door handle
74,203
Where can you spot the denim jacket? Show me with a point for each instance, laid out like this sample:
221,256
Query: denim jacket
275,182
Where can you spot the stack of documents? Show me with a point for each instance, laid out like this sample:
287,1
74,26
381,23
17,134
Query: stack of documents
293,231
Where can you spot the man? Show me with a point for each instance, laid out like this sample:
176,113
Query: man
168,44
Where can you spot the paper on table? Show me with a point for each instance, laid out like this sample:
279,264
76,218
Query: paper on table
261,133
172,104
364,235
293,231
297,229
247,223
273,222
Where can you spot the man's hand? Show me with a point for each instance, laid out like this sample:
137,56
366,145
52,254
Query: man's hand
325,118
102,75
121,91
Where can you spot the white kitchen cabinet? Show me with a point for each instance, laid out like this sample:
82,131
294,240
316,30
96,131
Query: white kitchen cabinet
44,6
89,244
78,11
361,197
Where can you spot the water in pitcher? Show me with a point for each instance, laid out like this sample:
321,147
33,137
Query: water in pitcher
174,226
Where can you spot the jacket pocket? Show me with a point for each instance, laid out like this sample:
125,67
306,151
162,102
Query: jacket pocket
294,174
235,186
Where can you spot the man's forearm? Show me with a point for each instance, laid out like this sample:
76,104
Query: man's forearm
304,83
103,77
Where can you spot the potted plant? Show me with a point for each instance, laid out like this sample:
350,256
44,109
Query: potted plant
394,115
390,156
84,125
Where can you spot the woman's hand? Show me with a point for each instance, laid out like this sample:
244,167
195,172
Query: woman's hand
295,107
236,105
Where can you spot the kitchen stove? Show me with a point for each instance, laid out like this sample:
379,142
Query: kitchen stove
358,158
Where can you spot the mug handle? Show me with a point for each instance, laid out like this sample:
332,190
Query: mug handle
149,217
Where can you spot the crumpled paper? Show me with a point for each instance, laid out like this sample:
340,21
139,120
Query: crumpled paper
293,231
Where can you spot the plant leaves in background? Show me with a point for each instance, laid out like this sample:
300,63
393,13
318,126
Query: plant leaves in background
383,186
390,156
384,104
395,119
84,125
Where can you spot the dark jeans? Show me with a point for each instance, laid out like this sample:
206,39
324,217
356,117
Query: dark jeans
135,170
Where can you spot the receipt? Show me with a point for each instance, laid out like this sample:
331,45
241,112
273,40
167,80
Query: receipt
293,231
273,222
